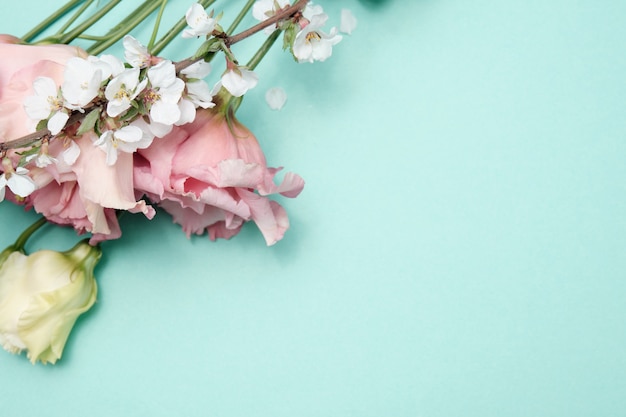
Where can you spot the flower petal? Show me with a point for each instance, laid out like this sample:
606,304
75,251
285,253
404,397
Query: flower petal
21,184
348,21
57,122
276,98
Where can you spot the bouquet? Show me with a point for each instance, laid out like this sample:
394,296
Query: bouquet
86,136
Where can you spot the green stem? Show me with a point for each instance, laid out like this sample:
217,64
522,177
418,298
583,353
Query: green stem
120,27
231,40
125,26
175,31
240,16
50,20
263,50
92,38
157,24
235,102
74,33
26,234
74,17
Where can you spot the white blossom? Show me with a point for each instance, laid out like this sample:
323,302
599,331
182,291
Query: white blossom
238,81
198,91
187,112
81,81
264,9
200,94
135,53
311,44
164,92
18,182
311,10
110,65
200,23
47,103
197,70
121,90
127,139
42,158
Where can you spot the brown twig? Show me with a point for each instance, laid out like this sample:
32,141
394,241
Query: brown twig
37,136
24,141
285,13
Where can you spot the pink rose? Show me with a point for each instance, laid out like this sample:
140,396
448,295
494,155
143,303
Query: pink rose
205,175
86,194
20,65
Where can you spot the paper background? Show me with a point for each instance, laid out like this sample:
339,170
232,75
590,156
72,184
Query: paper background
458,249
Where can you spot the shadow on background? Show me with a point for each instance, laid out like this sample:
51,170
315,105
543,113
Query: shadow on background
375,3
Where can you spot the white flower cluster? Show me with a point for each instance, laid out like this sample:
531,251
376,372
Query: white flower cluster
119,96
305,36
310,43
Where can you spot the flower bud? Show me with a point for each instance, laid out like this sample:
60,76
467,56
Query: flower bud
42,295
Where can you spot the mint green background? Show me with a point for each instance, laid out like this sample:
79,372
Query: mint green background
459,249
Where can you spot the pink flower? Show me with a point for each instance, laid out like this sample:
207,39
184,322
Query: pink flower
205,175
86,194
20,65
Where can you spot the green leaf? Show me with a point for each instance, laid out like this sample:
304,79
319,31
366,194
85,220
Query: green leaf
289,37
43,124
212,45
89,121
131,114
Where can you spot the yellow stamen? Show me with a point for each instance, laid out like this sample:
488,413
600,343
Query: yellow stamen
313,36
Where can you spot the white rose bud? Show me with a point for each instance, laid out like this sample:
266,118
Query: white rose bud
42,295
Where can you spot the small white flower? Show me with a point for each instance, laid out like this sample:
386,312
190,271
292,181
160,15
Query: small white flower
197,70
42,158
127,139
47,104
348,21
311,44
135,53
311,10
276,98
187,112
264,9
238,81
121,90
164,93
18,182
110,65
198,91
81,81
200,94
200,23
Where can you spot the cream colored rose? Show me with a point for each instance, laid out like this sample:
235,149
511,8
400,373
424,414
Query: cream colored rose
42,295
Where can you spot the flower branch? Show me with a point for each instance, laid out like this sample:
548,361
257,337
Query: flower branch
41,134
281,15
222,41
